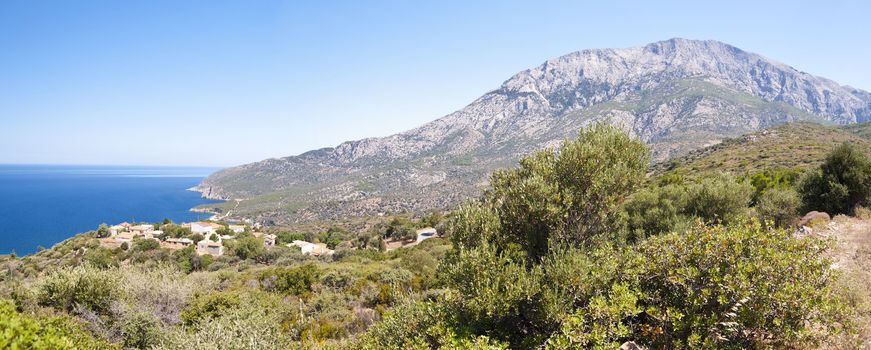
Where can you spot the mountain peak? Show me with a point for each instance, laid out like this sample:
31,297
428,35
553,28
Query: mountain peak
677,95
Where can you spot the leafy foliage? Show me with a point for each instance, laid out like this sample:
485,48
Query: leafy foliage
780,206
81,286
569,197
20,331
840,184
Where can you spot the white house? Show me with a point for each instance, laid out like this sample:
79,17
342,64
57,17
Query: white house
204,228
209,247
237,228
142,229
315,249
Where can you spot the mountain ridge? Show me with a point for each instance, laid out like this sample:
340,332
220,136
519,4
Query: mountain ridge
677,95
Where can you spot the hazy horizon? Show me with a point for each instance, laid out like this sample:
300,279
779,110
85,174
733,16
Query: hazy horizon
220,83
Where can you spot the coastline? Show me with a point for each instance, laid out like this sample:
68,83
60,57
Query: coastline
79,198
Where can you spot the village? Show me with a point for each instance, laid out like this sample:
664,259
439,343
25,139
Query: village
208,237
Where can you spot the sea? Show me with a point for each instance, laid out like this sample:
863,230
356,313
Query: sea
41,205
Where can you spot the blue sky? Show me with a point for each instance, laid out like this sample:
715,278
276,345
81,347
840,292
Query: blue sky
221,83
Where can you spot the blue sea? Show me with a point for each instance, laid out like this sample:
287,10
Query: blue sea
41,205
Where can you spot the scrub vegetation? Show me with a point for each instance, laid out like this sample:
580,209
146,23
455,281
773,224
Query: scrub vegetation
576,248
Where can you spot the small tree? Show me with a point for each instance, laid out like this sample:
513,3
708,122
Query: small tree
141,245
103,231
568,197
780,206
196,237
840,184
247,247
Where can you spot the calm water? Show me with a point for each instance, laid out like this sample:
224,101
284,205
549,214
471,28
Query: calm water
41,205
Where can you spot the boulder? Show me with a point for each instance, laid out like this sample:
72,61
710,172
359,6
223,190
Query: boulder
814,218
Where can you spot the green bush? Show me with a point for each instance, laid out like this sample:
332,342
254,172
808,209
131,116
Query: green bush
656,210
208,306
245,247
778,178
144,245
253,322
423,325
294,280
718,198
101,258
20,331
779,206
84,286
525,274
140,331
740,286
840,184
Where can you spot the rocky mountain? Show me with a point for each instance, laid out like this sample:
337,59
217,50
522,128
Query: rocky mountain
677,95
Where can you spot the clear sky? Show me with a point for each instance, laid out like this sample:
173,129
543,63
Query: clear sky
222,83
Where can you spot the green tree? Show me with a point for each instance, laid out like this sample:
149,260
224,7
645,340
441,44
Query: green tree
103,231
565,198
246,247
840,184
196,237
145,244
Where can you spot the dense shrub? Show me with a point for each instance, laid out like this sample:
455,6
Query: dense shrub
424,325
210,305
294,280
778,178
531,266
656,210
245,247
252,323
840,184
735,287
20,331
140,331
718,198
81,286
101,258
142,245
779,206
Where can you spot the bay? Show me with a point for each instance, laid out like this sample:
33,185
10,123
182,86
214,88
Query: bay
41,205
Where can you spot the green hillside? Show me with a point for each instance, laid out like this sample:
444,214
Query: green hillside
794,145
862,130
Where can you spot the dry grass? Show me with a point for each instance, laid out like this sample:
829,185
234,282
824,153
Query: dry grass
799,145
852,256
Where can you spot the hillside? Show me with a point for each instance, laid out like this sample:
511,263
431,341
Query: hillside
522,269
862,130
677,95
792,145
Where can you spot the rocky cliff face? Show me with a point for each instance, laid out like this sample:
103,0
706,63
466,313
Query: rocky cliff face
676,95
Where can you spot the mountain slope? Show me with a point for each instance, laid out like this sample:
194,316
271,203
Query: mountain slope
677,95
799,145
